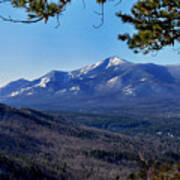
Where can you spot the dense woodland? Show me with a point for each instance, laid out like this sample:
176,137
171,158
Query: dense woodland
36,145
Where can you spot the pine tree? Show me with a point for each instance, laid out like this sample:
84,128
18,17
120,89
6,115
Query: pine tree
157,24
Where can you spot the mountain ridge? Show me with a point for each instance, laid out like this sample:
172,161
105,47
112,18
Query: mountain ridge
106,82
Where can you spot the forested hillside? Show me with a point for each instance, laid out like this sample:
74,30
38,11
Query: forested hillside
50,146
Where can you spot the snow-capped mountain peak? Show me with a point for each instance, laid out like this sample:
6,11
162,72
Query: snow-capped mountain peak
112,79
114,61
100,66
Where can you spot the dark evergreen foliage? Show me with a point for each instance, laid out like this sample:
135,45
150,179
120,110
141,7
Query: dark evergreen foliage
157,22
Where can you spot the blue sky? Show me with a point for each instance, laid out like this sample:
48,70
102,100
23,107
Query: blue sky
29,51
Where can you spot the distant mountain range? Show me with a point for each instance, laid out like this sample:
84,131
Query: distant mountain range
112,84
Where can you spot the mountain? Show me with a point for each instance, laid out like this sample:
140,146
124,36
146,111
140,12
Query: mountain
110,84
15,85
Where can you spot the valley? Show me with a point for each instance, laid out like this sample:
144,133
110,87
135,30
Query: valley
64,145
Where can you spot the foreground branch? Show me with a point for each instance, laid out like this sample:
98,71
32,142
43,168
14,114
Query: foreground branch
20,21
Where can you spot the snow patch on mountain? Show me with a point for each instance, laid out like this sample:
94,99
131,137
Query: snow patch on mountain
70,74
29,93
16,93
43,82
113,80
86,69
114,61
143,79
128,90
74,88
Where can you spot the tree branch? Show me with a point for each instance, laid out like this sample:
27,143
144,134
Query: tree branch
20,21
102,17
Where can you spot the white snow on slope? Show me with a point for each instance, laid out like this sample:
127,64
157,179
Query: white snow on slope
15,93
143,79
75,88
86,69
43,82
61,91
114,61
128,90
113,80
